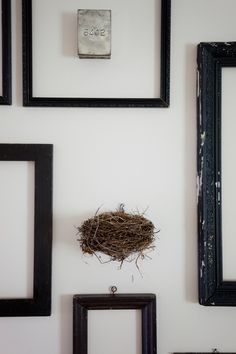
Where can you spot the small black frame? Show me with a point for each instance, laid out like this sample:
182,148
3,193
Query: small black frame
83,303
5,98
40,304
28,95
213,290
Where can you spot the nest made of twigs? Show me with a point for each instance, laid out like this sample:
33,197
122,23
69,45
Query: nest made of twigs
118,234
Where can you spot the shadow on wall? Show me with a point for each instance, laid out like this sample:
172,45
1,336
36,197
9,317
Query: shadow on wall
191,267
65,229
65,233
69,34
66,312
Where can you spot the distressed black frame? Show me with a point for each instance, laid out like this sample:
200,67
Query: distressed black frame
40,304
30,100
6,97
145,302
213,290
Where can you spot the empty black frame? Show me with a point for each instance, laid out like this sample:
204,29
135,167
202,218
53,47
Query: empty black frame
145,302
5,98
30,100
213,290
40,304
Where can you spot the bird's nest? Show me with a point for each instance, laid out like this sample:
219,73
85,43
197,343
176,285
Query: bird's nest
120,235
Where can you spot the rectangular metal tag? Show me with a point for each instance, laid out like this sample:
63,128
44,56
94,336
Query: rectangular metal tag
94,34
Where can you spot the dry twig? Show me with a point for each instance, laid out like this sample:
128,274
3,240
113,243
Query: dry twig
118,234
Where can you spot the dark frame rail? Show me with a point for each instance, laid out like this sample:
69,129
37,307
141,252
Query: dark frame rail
145,302
30,100
40,304
6,96
213,290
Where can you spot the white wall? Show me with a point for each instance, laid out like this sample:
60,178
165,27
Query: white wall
228,172
141,157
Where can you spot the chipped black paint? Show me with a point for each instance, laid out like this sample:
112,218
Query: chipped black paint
212,57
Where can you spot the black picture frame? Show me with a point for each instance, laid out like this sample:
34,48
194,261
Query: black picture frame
6,97
145,302
30,100
40,304
213,290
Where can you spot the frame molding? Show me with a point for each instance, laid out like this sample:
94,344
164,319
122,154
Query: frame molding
6,98
213,290
83,303
30,100
40,304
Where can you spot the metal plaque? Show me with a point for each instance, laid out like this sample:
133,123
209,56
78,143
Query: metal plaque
94,34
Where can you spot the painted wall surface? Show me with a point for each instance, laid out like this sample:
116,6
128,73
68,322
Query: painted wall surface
228,172
140,157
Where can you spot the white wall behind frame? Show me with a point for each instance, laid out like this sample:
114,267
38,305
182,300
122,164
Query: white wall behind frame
16,229
123,328
142,157
134,67
228,172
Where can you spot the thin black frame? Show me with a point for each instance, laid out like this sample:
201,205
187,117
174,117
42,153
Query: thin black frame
30,100
6,97
40,304
213,290
145,302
